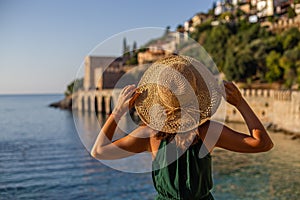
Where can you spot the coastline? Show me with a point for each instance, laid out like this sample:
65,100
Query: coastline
273,129
66,104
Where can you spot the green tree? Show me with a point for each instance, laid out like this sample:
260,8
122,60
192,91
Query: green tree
226,16
74,86
133,60
274,70
201,30
290,62
246,64
126,48
291,12
134,46
239,65
290,38
216,44
180,28
251,32
230,70
260,48
167,31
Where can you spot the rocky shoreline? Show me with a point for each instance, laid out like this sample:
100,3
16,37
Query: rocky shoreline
65,104
275,129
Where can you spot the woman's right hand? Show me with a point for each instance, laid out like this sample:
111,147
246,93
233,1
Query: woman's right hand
233,95
123,99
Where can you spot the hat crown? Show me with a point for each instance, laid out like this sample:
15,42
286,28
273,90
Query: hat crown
176,84
178,93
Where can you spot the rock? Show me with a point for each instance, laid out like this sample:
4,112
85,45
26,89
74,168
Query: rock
65,103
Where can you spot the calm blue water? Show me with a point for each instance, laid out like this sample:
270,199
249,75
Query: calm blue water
41,157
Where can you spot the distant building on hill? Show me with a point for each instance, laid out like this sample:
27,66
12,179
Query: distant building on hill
151,55
162,47
196,20
265,8
222,6
260,8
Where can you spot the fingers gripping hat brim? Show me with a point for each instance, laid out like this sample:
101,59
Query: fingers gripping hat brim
178,93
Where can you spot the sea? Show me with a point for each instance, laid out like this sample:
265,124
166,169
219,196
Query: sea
42,156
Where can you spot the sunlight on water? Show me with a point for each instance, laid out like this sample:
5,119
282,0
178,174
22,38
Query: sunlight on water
269,175
42,157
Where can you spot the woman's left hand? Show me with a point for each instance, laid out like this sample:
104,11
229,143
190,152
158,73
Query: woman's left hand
124,100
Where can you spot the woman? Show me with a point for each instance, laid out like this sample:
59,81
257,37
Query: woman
175,99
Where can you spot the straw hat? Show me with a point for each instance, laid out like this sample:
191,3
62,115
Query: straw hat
178,93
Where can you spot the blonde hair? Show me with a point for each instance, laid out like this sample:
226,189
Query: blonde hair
182,140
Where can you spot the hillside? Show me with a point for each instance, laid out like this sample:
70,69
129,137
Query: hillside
249,53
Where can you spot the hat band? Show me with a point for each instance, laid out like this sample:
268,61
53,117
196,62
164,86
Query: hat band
187,110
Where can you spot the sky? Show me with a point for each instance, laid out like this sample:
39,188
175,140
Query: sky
43,43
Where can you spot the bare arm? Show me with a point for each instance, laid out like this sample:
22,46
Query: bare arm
258,141
135,142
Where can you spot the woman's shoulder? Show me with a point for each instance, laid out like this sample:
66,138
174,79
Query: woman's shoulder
203,129
149,134
210,126
144,132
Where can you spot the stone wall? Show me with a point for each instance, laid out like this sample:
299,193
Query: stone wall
110,78
95,101
273,107
277,107
284,24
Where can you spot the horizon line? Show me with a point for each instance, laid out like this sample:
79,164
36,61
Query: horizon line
16,94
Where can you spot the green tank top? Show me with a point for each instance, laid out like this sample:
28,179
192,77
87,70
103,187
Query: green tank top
188,177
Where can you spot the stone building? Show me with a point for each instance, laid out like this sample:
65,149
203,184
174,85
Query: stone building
162,48
100,76
151,55
101,72
196,20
